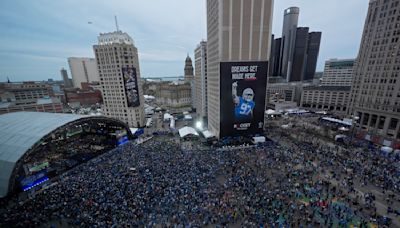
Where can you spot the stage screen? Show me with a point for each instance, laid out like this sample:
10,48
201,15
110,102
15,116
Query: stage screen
243,89
34,180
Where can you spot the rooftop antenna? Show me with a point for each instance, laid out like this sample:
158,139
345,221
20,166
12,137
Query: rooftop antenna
116,23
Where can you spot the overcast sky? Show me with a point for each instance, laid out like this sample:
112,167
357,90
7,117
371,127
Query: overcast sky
38,36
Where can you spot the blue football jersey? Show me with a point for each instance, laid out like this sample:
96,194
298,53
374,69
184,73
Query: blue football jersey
244,108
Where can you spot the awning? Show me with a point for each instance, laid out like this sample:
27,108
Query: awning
333,120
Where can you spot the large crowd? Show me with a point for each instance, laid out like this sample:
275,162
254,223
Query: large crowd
290,184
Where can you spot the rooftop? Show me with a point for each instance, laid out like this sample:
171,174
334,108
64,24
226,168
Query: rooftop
329,88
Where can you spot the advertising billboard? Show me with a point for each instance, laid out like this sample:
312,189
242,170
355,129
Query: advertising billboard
131,86
242,106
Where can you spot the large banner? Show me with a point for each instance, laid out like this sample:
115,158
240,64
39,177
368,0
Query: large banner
131,86
243,86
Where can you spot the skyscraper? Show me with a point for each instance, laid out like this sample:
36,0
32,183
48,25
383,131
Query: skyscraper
189,77
275,58
118,66
375,92
83,70
238,40
289,29
298,60
294,56
200,68
66,80
314,41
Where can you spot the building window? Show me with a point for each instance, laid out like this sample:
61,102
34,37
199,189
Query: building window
381,123
393,124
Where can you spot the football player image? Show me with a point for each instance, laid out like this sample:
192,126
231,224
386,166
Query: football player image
130,87
244,105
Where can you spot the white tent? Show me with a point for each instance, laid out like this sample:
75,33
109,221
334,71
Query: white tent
387,143
286,126
172,123
208,134
386,149
149,122
185,131
149,97
259,139
168,116
337,137
272,112
133,130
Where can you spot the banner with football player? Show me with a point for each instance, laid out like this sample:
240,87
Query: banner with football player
243,89
131,86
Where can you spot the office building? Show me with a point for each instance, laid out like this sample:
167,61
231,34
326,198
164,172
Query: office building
25,92
66,80
118,68
338,72
289,30
375,92
83,70
85,97
282,92
238,34
189,78
28,96
333,99
200,67
174,95
314,41
298,61
275,57
294,56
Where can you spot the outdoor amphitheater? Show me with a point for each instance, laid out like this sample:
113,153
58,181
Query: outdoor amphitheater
158,183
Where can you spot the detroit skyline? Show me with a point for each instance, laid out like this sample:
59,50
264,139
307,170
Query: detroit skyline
40,37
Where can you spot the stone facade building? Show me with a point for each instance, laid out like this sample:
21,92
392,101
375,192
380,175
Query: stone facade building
375,92
237,31
118,66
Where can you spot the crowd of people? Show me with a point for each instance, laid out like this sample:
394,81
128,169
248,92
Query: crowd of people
294,183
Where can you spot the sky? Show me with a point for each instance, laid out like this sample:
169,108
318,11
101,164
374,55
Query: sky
38,36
